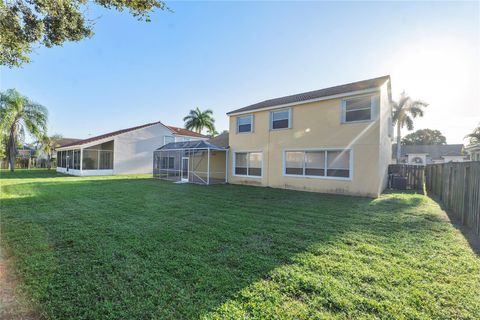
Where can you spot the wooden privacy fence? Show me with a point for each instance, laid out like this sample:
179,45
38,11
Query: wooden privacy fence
457,186
413,174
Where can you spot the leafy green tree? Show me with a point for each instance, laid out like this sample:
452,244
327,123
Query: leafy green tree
198,120
18,115
474,137
48,145
25,23
404,111
424,136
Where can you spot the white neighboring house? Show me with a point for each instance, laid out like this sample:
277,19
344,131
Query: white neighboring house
124,151
429,154
474,151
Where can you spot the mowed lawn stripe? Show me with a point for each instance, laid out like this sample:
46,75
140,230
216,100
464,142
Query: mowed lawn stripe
128,247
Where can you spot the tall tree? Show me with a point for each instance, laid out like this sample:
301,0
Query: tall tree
404,111
424,136
25,23
19,115
198,120
48,145
474,137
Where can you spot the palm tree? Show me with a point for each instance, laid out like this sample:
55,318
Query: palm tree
48,145
18,115
198,120
404,111
474,137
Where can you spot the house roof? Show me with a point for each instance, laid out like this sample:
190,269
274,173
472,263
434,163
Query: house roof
65,141
221,140
311,95
186,132
174,130
195,144
434,151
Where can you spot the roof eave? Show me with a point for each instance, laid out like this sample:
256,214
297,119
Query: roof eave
329,97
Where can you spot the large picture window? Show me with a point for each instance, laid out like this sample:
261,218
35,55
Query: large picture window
248,164
359,109
245,124
280,119
318,163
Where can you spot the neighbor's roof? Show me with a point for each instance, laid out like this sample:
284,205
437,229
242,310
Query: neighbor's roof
434,151
185,132
221,140
175,130
195,144
65,141
311,95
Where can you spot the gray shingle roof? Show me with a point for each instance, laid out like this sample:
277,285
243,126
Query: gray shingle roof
434,151
345,88
196,144
221,140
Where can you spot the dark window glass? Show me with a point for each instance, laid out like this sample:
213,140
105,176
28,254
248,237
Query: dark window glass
298,171
245,128
239,170
280,124
338,173
280,119
244,124
314,172
254,171
358,115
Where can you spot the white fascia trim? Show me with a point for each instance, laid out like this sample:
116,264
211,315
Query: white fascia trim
335,96
86,145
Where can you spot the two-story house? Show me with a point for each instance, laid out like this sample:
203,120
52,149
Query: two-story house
333,140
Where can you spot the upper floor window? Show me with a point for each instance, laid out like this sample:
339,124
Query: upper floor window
281,119
245,124
358,109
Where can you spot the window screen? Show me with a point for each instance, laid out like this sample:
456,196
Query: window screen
241,163
280,119
338,163
358,109
254,164
315,163
294,162
244,124
318,163
248,164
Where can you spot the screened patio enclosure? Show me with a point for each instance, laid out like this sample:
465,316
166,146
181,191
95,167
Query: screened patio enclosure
198,162
92,160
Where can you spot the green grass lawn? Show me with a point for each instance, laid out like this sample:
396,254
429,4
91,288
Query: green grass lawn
130,247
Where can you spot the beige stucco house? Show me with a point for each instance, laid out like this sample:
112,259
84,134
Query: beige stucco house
333,140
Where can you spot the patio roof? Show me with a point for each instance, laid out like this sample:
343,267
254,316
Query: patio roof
186,145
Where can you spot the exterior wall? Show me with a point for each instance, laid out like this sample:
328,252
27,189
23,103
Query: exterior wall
199,164
134,149
453,158
386,136
318,125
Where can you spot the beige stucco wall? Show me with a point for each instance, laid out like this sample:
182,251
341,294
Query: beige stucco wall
199,164
318,125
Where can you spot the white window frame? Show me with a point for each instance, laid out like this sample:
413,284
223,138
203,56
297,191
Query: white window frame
247,152
325,177
374,97
252,119
289,118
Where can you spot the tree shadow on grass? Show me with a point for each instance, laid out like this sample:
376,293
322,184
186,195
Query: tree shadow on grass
143,248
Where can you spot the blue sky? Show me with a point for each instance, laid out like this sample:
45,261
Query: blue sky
225,55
